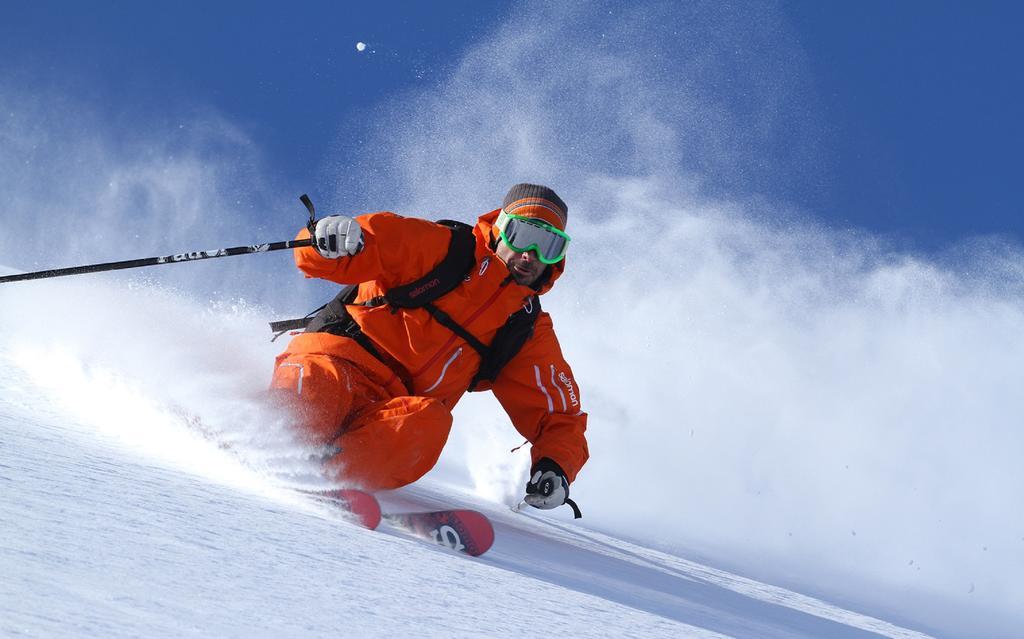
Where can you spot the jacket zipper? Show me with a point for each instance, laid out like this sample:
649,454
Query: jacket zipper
444,370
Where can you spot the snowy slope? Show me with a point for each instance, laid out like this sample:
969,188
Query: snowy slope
121,518
102,542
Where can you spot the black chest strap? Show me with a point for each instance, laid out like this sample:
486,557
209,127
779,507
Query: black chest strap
444,319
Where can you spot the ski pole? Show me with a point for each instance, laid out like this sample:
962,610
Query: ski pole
170,259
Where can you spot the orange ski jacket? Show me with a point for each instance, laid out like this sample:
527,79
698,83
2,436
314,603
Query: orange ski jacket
536,388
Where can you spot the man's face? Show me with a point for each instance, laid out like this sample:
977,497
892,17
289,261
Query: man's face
524,267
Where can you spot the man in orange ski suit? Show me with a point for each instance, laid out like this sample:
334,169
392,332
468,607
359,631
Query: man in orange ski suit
389,412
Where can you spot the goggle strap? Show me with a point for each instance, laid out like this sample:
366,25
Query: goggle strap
535,202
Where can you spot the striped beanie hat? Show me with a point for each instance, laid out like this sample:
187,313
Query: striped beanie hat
534,200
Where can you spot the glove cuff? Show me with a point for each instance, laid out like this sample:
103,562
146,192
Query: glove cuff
545,464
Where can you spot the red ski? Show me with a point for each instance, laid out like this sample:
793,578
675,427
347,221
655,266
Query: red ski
466,531
361,504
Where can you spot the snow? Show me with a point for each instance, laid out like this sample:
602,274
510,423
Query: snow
123,518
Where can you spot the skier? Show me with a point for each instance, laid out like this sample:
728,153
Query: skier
440,308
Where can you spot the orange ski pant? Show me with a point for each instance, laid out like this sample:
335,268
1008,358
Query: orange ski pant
341,395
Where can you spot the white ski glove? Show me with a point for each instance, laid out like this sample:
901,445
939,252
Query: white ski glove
548,487
337,236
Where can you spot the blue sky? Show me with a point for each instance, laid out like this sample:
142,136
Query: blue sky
924,100
915,105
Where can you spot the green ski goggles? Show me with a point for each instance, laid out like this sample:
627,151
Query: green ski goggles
523,234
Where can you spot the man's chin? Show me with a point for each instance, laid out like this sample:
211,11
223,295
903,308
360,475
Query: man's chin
524,279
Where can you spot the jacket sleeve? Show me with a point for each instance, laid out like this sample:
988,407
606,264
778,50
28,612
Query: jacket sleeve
396,250
540,395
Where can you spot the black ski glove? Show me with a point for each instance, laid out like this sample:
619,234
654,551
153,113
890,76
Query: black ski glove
548,487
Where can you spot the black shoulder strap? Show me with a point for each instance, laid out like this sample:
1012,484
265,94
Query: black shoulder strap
443,278
508,341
